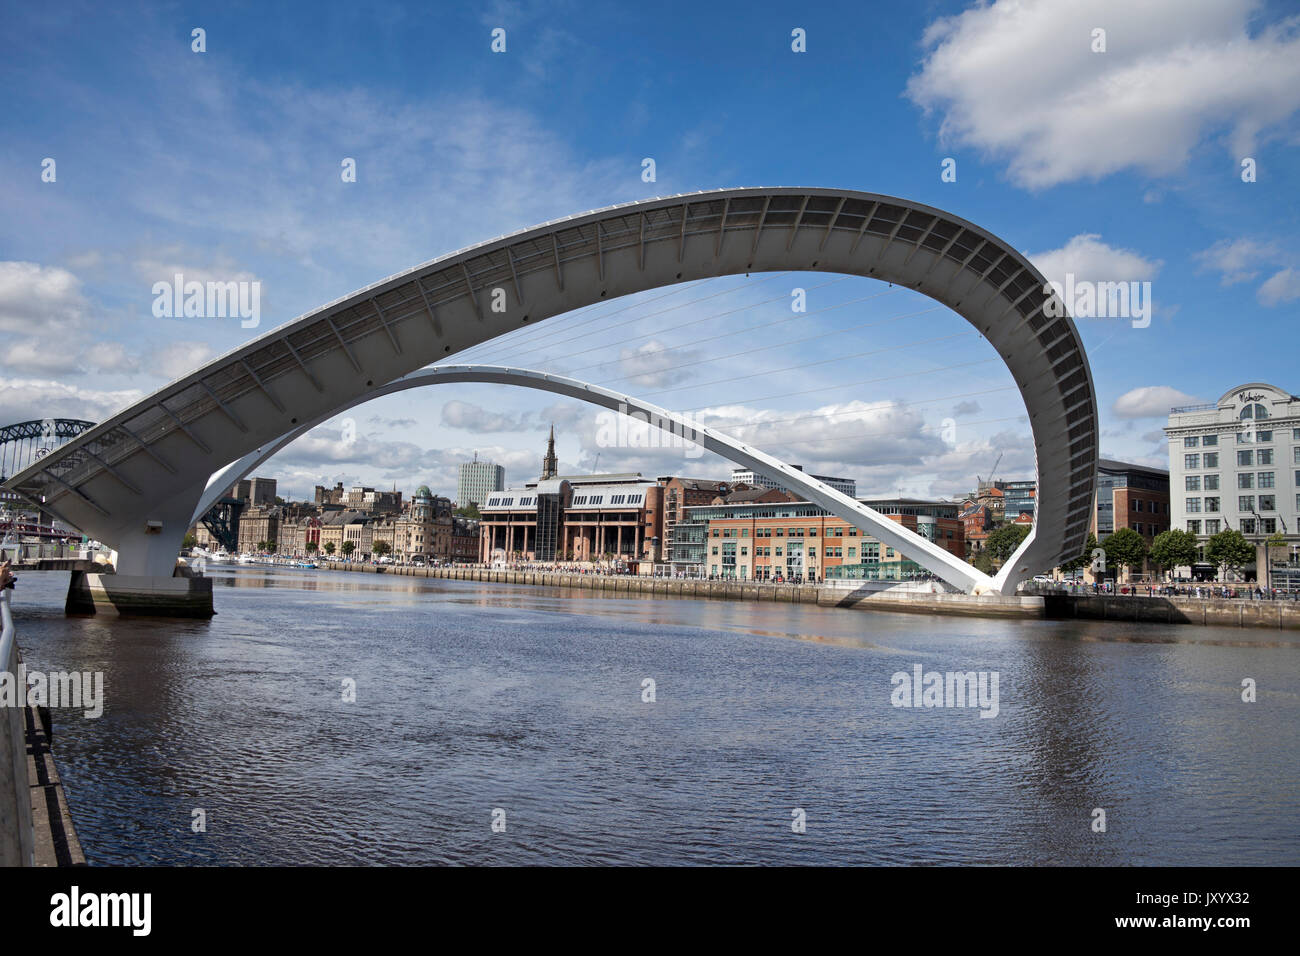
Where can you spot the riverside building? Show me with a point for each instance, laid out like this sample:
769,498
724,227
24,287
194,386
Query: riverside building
1235,463
799,541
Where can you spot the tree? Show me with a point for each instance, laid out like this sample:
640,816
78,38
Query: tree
261,546
189,541
1124,549
1002,543
1075,565
312,547
983,562
329,547
1172,549
469,511
1229,550
348,548
382,548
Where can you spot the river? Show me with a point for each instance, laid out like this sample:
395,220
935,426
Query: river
481,702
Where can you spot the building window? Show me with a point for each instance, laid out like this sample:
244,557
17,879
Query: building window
1209,441
1212,505
1191,462
853,552
1191,441
1193,483
1268,503
1263,436
1193,527
744,552
1137,526
1211,482
1212,526
1255,411
1246,503
1193,506
1267,525
1247,525
1246,479
1265,456
1211,459
1246,457
1265,479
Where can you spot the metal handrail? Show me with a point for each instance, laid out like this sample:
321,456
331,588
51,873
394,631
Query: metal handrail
7,633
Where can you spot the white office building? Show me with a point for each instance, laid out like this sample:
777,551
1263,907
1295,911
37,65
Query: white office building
1235,463
477,480
752,478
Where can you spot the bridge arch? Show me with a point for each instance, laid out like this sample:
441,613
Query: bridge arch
943,563
132,481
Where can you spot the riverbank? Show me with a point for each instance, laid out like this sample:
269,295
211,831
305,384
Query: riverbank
880,596
877,596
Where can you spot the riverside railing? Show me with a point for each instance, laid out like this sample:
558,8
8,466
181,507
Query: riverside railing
17,837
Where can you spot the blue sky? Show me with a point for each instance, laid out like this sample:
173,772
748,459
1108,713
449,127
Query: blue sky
1115,165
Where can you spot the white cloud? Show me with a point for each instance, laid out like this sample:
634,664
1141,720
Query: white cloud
1092,260
1281,287
1244,259
1019,81
476,418
31,399
1151,401
36,298
180,358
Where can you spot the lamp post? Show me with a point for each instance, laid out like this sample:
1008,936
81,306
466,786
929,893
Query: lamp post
1259,526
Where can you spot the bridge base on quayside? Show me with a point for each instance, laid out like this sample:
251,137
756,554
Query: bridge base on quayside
132,595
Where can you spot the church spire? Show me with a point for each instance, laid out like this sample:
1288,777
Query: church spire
550,465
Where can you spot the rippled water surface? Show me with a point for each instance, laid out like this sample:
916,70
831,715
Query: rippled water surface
471,697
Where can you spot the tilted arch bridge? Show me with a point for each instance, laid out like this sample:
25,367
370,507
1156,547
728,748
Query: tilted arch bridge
134,481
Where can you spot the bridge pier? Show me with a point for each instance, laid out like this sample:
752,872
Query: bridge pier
141,595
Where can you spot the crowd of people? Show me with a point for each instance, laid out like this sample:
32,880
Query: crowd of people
1207,590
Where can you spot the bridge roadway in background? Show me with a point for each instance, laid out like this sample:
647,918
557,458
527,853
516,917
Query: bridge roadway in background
134,481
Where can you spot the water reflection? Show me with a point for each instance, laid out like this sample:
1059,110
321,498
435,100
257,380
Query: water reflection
473,696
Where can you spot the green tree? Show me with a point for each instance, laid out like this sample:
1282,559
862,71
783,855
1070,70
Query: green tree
1075,565
348,548
329,547
382,548
312,547
189,541
1002,543
261,546
982,562
1229,550
469,511
1172,549
1124,549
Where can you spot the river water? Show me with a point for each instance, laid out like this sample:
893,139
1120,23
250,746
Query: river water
475,700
